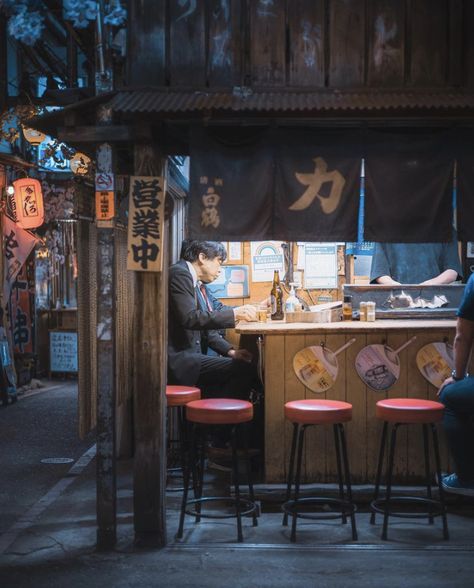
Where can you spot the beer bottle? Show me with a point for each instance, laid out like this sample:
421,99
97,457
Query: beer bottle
276,298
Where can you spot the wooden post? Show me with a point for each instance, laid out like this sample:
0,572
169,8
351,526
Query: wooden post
149,345
106,379
3,64
106,461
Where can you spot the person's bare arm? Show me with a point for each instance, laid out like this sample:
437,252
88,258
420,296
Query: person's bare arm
462,349
445,277
386,281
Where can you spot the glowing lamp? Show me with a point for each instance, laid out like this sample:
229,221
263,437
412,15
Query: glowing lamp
28,203
80,164
33,136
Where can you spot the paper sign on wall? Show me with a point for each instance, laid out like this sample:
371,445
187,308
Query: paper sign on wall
267,256
104,205
320,269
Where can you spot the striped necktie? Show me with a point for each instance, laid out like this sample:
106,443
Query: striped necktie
206,303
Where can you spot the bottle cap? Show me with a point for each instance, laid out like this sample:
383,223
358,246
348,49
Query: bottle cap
347,298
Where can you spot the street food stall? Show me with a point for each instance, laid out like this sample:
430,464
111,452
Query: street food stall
283,341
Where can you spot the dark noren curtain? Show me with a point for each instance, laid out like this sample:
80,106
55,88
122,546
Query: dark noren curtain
408,187
317,185
231,185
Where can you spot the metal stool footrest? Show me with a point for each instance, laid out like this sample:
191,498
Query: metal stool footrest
247,507
435,507
344,507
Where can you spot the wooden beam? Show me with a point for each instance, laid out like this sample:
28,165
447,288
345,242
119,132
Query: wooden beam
149,351
95,133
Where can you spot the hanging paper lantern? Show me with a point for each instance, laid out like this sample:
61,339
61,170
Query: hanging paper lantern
28,203
80,164
33,136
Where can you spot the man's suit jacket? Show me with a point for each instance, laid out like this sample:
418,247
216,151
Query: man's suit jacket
187,324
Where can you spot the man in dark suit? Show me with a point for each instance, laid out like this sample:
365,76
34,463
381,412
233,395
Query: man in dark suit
194,325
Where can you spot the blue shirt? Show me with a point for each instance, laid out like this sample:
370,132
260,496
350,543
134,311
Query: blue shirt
413,263
466,308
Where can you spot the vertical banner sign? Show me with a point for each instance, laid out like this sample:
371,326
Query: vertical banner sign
22,311
146,217
17,245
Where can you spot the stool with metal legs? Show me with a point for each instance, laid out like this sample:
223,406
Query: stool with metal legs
202,414
305,413
176,399
396,412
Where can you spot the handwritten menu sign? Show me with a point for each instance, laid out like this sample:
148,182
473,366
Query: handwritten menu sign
63,351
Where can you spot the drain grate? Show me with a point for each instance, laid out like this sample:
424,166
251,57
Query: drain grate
57,460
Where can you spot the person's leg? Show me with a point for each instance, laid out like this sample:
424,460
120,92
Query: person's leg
225,377
458,421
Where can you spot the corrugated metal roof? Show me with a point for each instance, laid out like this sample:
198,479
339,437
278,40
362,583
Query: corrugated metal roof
244,100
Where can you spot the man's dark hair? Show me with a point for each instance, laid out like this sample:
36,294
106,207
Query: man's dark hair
190,250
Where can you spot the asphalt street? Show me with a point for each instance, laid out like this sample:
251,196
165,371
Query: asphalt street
39,426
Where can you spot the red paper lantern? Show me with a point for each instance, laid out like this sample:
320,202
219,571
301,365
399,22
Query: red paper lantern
28,203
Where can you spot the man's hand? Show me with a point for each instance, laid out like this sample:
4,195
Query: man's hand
247,312
266,302
449,380
241,354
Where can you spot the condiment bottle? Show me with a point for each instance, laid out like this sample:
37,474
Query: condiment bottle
347,308
363,311
371,312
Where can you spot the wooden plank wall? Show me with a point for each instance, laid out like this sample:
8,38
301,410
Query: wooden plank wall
147,50
306,32
428,37
267,42
303,44
363,433
386,52
225,43
187,44
346,43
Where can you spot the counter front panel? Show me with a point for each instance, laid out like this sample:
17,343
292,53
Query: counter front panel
281,343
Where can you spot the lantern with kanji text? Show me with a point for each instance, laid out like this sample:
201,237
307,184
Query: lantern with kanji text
33,136
28,203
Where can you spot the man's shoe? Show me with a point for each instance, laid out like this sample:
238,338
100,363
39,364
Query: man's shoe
451,483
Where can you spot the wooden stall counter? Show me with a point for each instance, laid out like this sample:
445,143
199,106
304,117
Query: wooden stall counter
282,341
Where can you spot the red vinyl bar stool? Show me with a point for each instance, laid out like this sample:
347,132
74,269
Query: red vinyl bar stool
303,414
207,413
408,411
176,399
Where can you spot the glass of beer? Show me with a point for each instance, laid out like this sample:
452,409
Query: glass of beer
262,313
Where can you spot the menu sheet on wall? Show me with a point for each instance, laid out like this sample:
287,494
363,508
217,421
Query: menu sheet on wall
63,351
320,265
